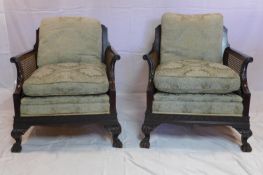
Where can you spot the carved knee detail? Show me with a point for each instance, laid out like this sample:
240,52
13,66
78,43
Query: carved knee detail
115,129
147,129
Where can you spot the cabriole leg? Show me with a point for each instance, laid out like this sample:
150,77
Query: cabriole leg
115,131
17,135
245,134
146,129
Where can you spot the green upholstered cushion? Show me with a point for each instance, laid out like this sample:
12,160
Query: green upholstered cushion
65,105
195,76
67,79
198,104
69,39
191,37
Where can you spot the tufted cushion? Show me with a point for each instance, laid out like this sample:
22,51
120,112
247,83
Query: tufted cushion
65,105
69,39
67,79
195,76
198,104
191,37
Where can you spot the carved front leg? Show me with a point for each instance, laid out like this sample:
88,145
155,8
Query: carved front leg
115,131
146,129
245,134
17,135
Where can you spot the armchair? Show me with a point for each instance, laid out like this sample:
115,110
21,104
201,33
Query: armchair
68,77
207,89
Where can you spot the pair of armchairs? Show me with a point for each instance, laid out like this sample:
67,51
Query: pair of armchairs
194,77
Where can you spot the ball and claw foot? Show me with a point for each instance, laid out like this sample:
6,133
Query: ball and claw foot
16,148
117,143
245,134
246,147
145,143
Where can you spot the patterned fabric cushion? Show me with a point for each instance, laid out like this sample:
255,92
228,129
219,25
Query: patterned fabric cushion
67,79
65,105
191,37
195,76
198,104
69,39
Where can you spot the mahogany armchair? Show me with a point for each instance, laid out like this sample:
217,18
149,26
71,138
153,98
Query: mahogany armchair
190,91
68,77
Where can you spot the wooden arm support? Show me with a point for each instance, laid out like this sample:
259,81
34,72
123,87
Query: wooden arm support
239,63
25,65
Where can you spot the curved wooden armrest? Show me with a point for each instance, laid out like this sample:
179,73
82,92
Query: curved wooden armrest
153,61
111,56
239,63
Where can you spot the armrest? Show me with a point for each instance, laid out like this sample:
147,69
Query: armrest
153,61
25,65
111,57
238,62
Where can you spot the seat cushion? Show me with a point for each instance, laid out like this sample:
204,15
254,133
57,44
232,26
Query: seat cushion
67,79
198,104
195,76
191,37
69,39
65,105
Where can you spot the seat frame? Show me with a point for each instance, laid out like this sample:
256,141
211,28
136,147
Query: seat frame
231,58
26,64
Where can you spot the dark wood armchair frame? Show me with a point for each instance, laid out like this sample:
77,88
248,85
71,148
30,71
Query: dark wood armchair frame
26,64
231,58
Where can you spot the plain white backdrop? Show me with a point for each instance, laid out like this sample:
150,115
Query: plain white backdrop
81,149
131,26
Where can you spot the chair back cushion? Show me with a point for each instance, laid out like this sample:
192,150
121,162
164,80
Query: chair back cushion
192,37
69,39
